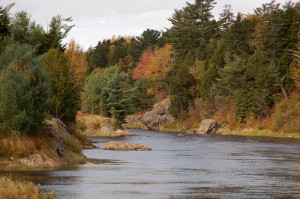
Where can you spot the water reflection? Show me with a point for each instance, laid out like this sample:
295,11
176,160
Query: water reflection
190,167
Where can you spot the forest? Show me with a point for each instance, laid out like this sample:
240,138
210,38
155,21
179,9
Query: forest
241,69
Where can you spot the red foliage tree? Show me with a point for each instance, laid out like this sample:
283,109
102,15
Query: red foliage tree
140,69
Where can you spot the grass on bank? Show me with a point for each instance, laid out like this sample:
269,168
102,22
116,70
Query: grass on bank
15,147
252,132
10,189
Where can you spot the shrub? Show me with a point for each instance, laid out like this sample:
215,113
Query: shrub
4,151
286,115
72,145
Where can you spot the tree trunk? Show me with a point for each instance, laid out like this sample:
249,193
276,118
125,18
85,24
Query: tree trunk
283,90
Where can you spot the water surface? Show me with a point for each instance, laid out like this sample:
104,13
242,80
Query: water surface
189,167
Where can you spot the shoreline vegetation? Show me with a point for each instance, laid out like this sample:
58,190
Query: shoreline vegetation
250,132
10,189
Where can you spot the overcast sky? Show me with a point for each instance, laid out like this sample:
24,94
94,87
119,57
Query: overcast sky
99,19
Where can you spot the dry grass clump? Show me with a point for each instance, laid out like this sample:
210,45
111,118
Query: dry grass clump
10,189
16,146
85,121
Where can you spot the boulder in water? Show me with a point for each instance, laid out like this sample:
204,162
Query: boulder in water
125,146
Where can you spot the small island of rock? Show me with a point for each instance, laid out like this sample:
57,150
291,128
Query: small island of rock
125,146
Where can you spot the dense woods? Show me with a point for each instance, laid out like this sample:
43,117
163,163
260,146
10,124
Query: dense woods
241,69
237,68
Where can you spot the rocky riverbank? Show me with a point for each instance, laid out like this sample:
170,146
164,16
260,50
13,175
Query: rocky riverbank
54,146
159,119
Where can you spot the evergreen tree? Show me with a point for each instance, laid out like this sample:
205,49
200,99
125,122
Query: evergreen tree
238,36
226,19
4,22
26,31
180,82
111,92
90,95
295,66
118,94
58,30
149,39
145,100
193,27
25,90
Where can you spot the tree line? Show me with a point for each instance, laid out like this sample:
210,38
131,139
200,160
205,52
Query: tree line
236,67
242,64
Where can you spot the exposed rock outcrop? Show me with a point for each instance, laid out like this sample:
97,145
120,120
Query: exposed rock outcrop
207,126
38,160
56,128
153,120
54,148
125,146
135,121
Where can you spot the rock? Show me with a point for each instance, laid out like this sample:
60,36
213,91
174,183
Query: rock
123,133
56,128
38,160
135,121
207,126
158,116
180,135
125,146
60,148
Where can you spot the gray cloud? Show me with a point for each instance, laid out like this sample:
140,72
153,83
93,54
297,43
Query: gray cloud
99,19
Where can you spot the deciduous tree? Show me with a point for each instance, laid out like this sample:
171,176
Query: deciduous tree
65,97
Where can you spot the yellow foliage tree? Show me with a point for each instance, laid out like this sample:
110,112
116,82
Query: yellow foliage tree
77,63
160,62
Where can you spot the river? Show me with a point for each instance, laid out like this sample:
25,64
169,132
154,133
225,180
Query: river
189,167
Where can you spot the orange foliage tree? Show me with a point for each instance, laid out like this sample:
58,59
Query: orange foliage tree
139,70
77,63
160,63
154,66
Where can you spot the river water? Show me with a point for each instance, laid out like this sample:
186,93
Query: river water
189,167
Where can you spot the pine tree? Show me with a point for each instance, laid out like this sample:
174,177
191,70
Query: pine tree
117,93
4,20
111,92
26,31
180,82
226,19
193,27
25,90
90,95
58,30
149,39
